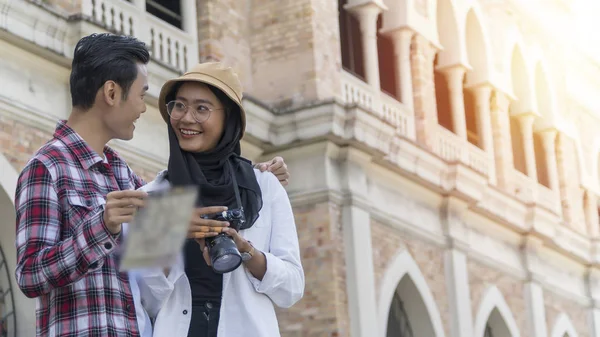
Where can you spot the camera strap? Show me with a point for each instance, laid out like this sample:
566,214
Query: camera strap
236,188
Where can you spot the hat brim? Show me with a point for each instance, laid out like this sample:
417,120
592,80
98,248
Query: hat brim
167,88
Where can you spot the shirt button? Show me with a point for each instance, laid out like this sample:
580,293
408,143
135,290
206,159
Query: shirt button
88,202
108,245
185,312
209,305
128,307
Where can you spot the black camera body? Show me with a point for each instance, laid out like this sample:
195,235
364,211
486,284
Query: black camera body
222,250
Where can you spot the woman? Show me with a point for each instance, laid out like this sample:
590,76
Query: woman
206,121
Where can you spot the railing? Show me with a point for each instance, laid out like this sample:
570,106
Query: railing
168,45
524,187
452,149
547,198
396,114
356,91
114,15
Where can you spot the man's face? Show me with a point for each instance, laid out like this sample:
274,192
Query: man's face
121,118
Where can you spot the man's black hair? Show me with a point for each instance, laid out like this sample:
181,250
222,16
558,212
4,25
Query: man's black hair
104,57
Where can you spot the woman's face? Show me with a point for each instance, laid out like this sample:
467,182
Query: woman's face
194,136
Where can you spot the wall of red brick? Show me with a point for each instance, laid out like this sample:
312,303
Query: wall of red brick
388,242
323,310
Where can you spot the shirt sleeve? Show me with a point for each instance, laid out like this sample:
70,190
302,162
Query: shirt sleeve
284,280
46,258
137,181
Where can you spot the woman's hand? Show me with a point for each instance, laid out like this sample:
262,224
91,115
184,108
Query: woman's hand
240,242
201,228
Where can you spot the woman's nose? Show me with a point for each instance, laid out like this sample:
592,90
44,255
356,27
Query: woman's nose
189,116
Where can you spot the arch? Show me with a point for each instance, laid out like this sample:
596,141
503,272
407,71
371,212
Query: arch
24,307
449,34
563,326
521,83
545,98
493,308
403,273
478,50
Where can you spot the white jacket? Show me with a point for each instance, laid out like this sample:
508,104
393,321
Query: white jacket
247,305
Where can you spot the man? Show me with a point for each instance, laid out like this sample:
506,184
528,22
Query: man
75,193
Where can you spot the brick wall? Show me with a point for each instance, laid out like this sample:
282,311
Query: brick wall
283,51
19,141
578,314
323,309
223,30
481,277
389,242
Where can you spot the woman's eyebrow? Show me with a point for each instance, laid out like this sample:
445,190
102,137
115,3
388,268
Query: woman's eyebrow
199,100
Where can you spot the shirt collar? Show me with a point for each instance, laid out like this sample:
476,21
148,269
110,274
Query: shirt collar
79,148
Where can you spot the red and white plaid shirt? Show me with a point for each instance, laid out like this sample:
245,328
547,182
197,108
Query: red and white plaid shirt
65,254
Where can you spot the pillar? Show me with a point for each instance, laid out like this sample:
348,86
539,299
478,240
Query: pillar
367,14
549,145
454,76
526,128
401,39
501,138
591,214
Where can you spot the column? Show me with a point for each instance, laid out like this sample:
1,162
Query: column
534,297
591,213
526,126
426,121
502,143
549,144
457,284
454,77
189,17
593,281
356,220
402,39
484,127
367,14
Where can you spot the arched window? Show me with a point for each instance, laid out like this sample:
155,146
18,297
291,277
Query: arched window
488,331
7,313
398,322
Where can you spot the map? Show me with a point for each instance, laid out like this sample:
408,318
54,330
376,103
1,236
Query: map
156,235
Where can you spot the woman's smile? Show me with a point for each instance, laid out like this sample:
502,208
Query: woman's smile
189,133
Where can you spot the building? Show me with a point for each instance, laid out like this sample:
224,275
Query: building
443,153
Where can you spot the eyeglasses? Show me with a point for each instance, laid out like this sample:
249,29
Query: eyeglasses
200,112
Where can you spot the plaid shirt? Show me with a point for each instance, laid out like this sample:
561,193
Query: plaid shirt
64,252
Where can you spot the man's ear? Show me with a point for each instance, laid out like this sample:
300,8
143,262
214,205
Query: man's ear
110,93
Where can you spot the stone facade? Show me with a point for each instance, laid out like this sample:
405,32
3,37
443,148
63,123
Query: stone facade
469,195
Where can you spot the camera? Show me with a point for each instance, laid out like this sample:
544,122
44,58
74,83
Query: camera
223,253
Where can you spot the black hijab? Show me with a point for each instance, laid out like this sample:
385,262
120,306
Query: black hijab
212,171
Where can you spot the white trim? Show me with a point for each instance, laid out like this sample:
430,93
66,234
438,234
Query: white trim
563,325
401,265
8,178
493,299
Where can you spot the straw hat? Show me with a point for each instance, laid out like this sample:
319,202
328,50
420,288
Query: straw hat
211,73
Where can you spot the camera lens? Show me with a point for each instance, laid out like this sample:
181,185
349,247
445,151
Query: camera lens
224,254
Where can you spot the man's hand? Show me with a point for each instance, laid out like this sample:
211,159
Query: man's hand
121,207
278,167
